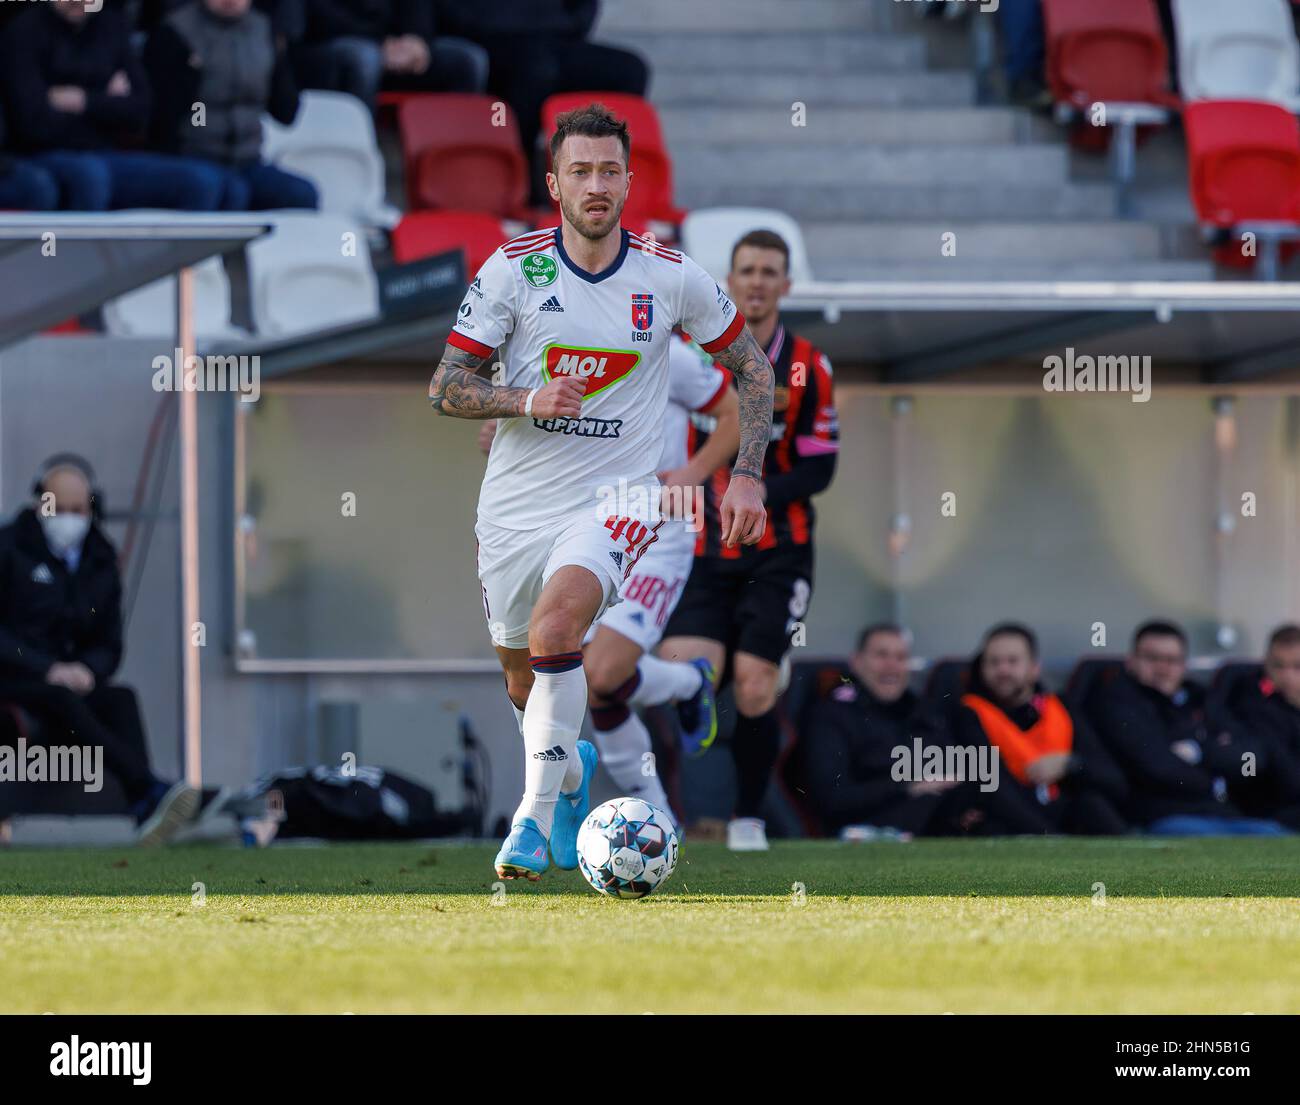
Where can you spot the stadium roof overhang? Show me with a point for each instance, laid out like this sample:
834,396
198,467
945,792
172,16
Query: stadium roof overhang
56,266
1229,333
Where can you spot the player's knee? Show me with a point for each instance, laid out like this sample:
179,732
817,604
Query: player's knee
755,692
518,686
555,632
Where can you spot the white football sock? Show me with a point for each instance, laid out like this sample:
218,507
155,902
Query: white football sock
552,719
519,716
664,681
625,752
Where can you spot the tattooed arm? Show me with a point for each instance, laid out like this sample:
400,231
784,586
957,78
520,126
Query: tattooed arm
743,516
458,391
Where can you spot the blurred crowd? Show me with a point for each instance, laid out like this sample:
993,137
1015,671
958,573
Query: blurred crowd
110,104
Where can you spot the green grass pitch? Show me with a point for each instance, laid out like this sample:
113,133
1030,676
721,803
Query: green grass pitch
1207,926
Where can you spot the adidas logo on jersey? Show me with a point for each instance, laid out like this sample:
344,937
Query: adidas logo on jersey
617,558
552,304
552,754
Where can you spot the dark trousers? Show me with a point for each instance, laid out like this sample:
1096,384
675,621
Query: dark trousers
108,717
1023,47
27,187
106,180
525,69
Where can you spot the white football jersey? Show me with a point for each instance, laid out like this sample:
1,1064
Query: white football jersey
695,384
547,317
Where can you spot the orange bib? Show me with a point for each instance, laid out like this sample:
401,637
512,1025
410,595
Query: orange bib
1052,732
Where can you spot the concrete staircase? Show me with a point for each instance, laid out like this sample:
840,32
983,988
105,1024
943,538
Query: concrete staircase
831,111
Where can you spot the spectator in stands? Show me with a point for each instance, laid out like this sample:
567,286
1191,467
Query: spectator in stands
359,46
537,48
75,93
221,55
1052,765
61,640
1024,52
1153,721
854,739
24,186
1264,715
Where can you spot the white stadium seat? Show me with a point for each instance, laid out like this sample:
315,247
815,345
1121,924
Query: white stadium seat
332,143
303,277
150,311
1237,50
709,233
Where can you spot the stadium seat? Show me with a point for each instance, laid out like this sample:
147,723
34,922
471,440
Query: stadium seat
709,234
303,280
423,233
1245,50
651,194
460,153
1244,172
1107,51
150,311
1232,679
332,143
1090,672
810,681
944,685
1111,53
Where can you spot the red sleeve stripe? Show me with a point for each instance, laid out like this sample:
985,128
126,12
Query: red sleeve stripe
727,336
717,395
460,341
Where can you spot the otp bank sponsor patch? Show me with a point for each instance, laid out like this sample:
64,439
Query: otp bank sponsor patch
600,368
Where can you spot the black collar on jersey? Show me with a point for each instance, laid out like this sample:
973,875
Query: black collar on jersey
592,278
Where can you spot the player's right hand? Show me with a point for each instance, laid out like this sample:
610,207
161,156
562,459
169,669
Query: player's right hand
561,398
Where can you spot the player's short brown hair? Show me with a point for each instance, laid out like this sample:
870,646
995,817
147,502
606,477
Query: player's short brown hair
1284,636
763,239
592,121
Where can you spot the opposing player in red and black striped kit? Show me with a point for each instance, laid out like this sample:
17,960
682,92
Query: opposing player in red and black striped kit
747,602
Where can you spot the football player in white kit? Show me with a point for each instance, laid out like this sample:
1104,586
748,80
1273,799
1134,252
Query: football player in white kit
581,317
623,673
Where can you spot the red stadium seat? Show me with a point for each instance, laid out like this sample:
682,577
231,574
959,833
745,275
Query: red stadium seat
651,195
1244,161
455,157
1244,168
424,233
1106,50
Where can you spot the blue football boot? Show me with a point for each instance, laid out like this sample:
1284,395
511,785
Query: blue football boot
523,855
571,810
699,714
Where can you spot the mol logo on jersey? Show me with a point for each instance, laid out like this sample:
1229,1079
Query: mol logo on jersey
600,368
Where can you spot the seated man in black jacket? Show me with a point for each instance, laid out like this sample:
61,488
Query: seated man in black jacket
1153,722
1053,766
76,97
1265,719
61,642
859,756
359,46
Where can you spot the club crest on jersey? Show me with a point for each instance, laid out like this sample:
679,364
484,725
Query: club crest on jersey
600,368
643,310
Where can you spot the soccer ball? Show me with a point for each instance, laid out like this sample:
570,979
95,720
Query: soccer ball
627,848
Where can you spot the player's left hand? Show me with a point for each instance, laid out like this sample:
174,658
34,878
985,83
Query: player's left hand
743,517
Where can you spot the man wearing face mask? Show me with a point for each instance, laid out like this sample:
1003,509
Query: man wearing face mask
61,641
